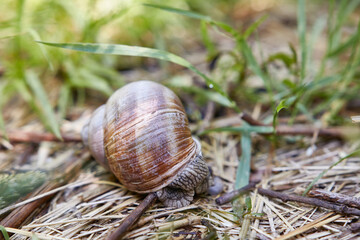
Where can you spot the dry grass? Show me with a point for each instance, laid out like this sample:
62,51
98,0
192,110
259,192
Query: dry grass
91,205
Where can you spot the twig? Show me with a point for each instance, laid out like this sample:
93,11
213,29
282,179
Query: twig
308,130
249,119
228,197
133,216
299,129
343,209
335,197
355,227
33,137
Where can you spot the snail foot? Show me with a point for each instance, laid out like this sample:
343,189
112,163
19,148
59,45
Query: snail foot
175,197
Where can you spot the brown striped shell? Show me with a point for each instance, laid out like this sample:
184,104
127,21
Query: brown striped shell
147,140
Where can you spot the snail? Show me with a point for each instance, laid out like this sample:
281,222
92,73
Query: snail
142,136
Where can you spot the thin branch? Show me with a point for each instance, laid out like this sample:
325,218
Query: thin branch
33,137
301,129
342,209
335,197
133,216
228,197
249,119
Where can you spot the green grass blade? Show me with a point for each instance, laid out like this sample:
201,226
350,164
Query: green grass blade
243,170
209,45
89,80
4,232
318,28
125,50
343,47
255,67
301,17
43,103
4,97
181,12
326,170
254,26
64,99
34,34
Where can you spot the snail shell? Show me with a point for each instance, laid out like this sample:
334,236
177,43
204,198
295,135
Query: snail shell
142,136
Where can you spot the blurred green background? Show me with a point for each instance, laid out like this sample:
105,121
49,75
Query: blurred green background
311,69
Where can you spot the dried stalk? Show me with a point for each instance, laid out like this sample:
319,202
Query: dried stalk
33,137
133,217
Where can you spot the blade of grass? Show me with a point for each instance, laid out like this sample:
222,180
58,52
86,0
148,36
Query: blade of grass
301,17
209,45
200,92
43,103
318,28
125,50
34,34
181,12
64,99
255,67
243,170
254,26
4,232
326,170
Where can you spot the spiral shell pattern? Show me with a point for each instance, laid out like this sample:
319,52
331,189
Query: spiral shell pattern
147,140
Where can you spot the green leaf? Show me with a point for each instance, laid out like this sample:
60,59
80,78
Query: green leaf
43,103
341,48
181,12
125,50
209,45
90,80
254,66
64,99
243,170
203,93
4,232
283,104
254,26
287,59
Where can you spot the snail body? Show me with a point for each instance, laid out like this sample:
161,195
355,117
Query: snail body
141,134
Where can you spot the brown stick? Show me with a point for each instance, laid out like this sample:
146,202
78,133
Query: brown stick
307,130
297,129
133,217
249,119
355,227
335,197
33,137
228,197
342,209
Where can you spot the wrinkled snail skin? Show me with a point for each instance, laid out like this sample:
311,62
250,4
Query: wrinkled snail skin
142,136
